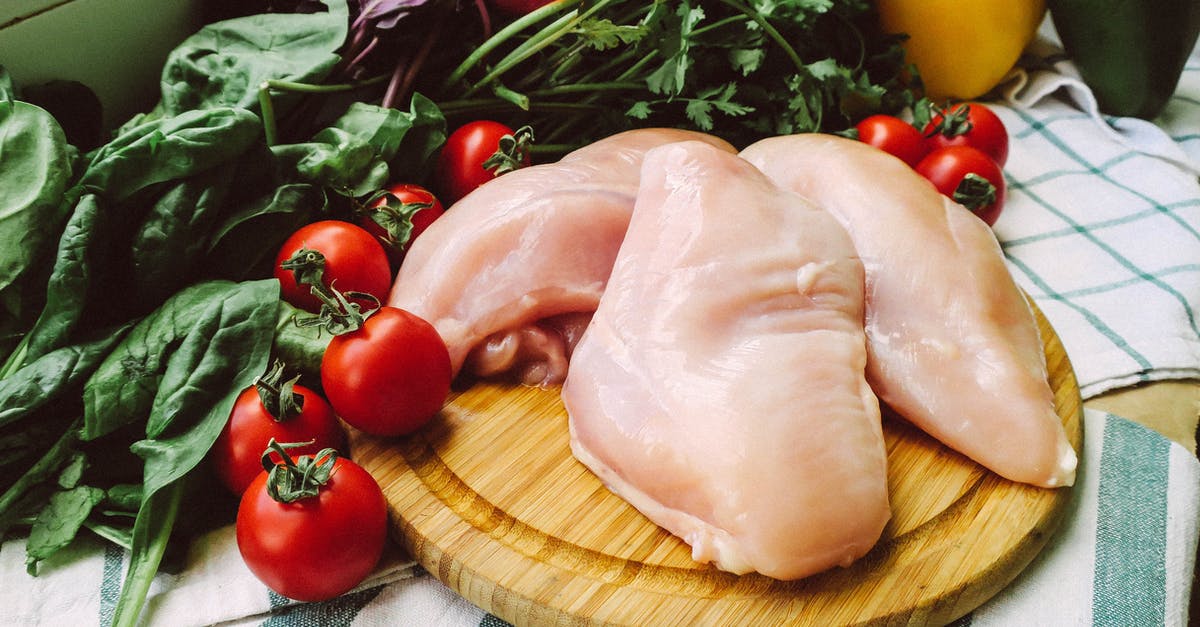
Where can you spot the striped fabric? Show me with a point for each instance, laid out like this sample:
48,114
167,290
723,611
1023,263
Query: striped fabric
1102,228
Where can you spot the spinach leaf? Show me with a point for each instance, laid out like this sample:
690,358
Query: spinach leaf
352,156
36,173
58,522
173,236
179,370
224,64
176,345
67,289
151,532
244,244
17,498
168,149
51,376
300,347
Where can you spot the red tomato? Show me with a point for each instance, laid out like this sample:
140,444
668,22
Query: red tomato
318,547
893,136
519,7
354,262
970,124
460,166
950,170
237,453
389,377
385,218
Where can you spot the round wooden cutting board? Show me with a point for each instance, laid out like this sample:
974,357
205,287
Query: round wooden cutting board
489,499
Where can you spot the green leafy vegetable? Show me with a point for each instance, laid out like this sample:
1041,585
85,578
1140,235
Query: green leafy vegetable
178,373
224,64
168,149
36,173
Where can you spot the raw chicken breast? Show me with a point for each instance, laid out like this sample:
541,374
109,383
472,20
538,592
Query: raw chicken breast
720,387
496,273
954,346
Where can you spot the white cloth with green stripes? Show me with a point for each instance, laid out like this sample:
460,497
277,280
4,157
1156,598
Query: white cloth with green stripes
1102,228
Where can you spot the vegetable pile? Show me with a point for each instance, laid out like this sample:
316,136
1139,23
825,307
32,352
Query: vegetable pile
150,285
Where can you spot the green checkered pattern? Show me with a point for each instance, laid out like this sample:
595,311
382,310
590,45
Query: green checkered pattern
1102,229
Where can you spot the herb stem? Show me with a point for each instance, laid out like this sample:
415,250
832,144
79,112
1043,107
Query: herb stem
770,30
503,35
531,46
267,106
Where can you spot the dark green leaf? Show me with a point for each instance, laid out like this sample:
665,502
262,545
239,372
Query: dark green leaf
675,47
173,237
301,347
175,346
70,280
58,522
225,63
56,373
16,499
352,156
168,149
151,532
245,243
35,174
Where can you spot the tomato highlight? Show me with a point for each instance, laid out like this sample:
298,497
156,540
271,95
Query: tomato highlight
968,176
348,257
389,377
893,136
312,528
271,409
478,152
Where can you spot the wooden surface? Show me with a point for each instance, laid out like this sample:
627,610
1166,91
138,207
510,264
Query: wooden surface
489,499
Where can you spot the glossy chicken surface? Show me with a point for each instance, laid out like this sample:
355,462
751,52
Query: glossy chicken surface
954,347
509,275
720,386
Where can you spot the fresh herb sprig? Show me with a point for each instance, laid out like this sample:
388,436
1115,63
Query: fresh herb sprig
578,70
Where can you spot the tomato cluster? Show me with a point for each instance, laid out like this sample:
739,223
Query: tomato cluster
961,150
311,524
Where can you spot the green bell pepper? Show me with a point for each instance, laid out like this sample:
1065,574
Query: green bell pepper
1129,52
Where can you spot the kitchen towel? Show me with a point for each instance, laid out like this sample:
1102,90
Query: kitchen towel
1102,223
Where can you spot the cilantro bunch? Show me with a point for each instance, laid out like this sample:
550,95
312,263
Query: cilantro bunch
577,70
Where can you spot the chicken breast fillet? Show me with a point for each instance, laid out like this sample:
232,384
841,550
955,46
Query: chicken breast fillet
720,387
954,346
510,274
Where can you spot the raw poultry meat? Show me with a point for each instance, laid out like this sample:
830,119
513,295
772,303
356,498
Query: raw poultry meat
720,387
954,347
509,275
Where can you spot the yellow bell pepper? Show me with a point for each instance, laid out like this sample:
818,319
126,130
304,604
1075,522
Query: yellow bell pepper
962,49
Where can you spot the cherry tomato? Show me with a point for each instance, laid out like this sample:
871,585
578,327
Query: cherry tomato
389,377
519,7
237,454
964,173
354,262
460,167
317,547
970,124
893,136
389,217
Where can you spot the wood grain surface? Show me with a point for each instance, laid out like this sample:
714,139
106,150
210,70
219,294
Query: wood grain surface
489,500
